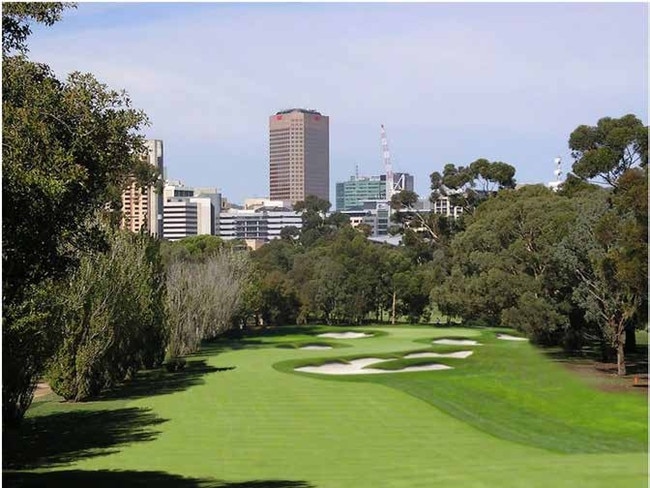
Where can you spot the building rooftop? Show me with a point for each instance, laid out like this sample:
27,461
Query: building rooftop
301,110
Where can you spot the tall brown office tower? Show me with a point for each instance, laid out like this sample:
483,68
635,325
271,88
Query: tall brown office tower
299,155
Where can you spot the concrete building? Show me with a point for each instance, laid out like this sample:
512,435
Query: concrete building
142,208
351,194
180,219
374,213
258,223
441,205
298,155
190,211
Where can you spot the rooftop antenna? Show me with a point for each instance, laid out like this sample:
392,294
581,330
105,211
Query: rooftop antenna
554,185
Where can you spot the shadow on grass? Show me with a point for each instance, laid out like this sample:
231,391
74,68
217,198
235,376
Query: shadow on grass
61,438
635,362
131,479
162,382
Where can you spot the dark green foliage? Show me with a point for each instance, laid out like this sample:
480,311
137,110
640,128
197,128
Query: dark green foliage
607,254
194,248
68,149
467,186
16,17
504,263
107,312
610,148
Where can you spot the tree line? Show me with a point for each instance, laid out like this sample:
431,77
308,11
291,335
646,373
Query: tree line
565,267
86,305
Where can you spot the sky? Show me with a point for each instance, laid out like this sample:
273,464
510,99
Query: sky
451,82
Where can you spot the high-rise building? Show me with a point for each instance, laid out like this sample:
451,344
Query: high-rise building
299,155
142,207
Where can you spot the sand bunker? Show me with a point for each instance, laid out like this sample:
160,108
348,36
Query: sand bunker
315,348
357,366
457,342
459,354
345,335
506,337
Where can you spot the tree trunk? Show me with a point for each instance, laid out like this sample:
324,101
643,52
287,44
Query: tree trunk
620,357
392,320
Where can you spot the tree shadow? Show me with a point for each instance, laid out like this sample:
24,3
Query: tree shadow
61,438
132,479
161,382
636,362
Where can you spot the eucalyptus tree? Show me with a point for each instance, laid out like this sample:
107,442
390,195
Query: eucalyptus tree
607,150
504,264
607,253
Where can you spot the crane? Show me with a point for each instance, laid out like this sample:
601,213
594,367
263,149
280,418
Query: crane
388,166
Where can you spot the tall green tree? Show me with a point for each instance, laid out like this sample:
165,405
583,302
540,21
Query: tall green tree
108,315
467,186
607,252
607,150
68,149
503,264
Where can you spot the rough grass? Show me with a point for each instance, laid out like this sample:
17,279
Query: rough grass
504,417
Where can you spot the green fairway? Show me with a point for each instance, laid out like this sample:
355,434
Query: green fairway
505,416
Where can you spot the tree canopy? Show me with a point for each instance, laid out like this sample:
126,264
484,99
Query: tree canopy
607,150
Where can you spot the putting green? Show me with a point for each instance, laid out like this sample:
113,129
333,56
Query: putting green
503,417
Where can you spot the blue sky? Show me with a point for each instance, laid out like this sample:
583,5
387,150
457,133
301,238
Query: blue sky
452,82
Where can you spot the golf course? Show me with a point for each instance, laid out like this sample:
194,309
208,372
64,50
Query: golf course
289,407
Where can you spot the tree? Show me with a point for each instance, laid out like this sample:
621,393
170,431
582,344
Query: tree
108,317
314,226
467,186
16,18
608,149
607,252
203,299
68,149
504,264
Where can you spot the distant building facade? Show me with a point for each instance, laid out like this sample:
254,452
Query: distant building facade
262,220
190,211
351,194
442,205
298,155
374,213
142,207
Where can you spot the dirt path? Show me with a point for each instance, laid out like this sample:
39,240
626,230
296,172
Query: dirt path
42,389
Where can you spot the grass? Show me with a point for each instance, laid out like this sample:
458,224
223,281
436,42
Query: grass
506,416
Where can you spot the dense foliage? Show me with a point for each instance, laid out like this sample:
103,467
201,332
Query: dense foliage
109,313
68,147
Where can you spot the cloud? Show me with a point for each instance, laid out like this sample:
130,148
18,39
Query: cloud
448,80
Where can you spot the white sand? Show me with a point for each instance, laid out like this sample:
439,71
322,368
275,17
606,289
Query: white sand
316,348
506,337
345,335
457,342
356,367
459,354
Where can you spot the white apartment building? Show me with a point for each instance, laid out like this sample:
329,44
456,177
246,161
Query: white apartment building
189,211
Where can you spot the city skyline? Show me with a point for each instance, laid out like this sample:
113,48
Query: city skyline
451,82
